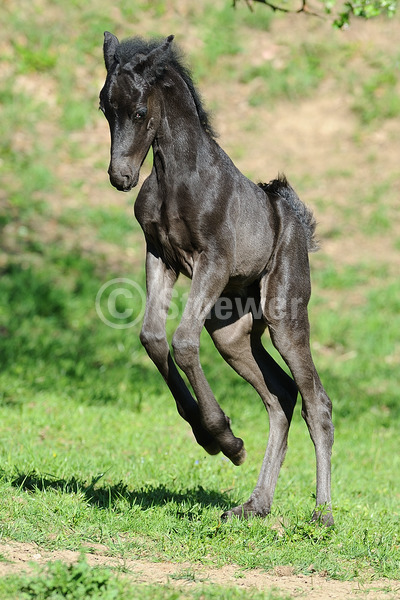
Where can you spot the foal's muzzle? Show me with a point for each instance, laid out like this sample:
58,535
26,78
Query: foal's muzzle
123,179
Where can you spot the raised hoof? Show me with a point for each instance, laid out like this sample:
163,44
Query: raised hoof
212,448
239,457
206,440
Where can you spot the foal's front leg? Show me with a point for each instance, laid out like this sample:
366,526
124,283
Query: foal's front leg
159,282
207,285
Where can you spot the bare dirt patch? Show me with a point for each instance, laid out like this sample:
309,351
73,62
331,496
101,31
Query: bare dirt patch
19,558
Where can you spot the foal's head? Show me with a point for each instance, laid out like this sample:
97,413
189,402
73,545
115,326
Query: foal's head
130,104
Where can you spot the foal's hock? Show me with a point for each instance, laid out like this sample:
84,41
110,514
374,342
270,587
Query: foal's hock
245,248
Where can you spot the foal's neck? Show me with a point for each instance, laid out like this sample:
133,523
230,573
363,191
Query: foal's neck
181,134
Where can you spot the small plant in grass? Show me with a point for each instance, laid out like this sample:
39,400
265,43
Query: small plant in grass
184,575
72,582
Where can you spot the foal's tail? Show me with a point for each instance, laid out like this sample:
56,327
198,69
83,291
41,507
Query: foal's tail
280,187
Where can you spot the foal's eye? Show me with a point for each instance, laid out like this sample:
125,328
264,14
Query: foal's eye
139,114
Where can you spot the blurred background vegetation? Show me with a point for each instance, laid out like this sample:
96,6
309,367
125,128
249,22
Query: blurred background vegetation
288,93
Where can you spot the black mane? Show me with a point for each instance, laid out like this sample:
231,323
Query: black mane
132,46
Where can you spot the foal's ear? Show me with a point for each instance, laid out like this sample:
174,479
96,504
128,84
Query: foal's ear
151,66
110,46
165,45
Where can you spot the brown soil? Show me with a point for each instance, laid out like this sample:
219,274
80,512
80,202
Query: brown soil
21,557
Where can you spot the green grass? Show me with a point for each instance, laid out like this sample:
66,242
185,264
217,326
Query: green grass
92,448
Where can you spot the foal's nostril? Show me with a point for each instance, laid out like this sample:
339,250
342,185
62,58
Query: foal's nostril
127,181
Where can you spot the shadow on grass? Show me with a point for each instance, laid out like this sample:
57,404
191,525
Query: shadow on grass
107,496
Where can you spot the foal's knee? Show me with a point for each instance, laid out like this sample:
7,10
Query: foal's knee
186,351
155,343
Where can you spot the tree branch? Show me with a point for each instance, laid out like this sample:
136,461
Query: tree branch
365,9
304,7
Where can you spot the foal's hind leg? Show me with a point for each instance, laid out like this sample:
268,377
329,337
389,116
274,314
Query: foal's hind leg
238,339
285,293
